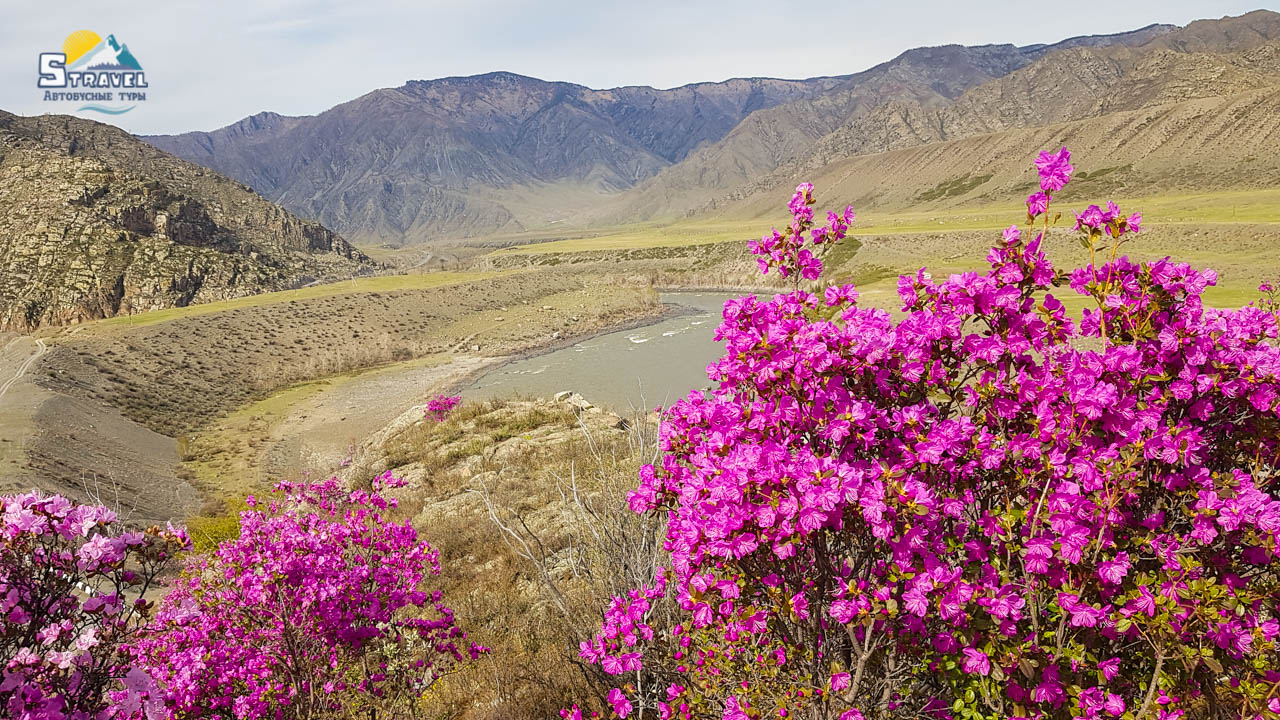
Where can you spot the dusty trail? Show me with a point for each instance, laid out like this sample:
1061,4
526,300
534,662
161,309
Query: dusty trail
23,365
19,401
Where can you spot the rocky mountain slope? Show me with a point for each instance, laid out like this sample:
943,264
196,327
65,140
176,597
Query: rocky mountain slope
413,163
502,153
95,223
1206,59
1189,147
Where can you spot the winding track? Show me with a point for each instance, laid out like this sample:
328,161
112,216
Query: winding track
41,349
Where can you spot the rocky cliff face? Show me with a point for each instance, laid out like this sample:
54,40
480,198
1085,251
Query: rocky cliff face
94,223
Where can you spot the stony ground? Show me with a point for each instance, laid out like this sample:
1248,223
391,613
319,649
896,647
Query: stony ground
528,458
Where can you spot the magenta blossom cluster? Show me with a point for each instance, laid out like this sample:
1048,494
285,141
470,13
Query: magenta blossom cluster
1111,221
1055,172
786,252
982,507
439,407
1270,291
320,606
72,590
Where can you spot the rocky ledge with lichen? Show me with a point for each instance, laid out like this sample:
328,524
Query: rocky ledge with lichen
95,223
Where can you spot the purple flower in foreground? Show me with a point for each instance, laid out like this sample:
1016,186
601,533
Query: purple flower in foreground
621,705
1135,222
1055,169
1009,507
1037,203
976,662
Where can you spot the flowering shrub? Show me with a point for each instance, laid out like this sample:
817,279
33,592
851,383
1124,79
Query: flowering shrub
319,608
982,508
440,406
1270,300
72,586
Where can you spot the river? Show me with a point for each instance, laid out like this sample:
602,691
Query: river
638,368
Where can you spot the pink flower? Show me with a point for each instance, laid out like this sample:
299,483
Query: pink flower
800,604
440,406
1049,690
1090,218
1145,602
1055,169
976,662
1113,571
1037,203
621,705
735,709
840,681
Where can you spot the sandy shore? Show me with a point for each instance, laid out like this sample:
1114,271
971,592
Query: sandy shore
320,432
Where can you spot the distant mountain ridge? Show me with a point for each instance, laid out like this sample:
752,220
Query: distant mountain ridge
498,153
95,223
1076,84
405,163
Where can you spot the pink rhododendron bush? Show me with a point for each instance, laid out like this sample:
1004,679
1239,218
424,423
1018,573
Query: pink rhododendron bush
320,608
72,585
983,507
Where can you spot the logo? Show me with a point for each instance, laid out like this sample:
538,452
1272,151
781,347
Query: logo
93,71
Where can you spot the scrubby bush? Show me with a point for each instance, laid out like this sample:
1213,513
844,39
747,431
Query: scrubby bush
980,508
73,583
319,608
595,549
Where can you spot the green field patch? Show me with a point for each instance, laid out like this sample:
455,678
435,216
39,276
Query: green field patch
1086,176
376,283
953,188
225,456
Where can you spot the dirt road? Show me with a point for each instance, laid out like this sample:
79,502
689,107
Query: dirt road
19,399
21,363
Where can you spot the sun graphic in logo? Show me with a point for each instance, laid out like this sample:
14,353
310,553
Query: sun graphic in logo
78,43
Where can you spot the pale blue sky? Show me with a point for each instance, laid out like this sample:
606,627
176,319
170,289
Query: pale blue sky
210,63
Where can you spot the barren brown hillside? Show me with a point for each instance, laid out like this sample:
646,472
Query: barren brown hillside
1207,59
1196,145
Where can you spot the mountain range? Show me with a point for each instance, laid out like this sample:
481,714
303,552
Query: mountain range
462,157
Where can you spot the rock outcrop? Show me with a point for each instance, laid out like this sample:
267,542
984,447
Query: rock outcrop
95,223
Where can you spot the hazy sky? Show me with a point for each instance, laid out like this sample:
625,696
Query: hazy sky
211,62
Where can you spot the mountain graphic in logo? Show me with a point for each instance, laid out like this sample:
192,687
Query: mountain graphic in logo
87,51
92,70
